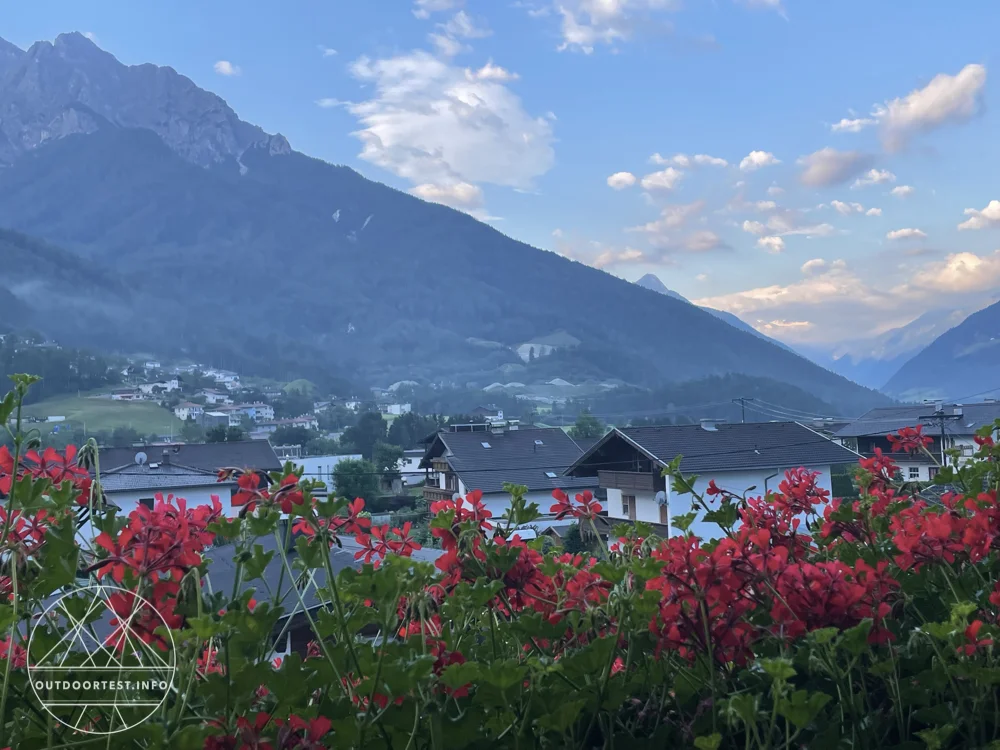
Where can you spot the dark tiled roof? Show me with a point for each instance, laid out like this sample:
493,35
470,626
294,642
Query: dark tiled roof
524,457
732,447
246,454
887,419
605,525
164,477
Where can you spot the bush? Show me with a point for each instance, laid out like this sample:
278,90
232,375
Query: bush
874,630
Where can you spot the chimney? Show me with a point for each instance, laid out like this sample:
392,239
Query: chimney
166,457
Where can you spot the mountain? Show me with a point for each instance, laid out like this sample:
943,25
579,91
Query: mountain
963,361
653,283
872,362
237,248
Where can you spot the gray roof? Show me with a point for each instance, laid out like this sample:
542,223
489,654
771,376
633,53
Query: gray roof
245,454
888,419
730,447
134,478
523,456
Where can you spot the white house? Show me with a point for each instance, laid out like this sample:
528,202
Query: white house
628,462
464,460
409,466
958,422
188,410
395,409
322,467
214,397
164,385
260,412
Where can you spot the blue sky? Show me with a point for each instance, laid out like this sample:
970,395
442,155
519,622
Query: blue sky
544,118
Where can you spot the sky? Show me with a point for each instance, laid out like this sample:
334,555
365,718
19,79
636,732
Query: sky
826,171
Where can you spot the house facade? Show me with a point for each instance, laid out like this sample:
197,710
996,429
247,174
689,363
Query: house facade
323,467
188,410
215,397
958,423
459,461
627,464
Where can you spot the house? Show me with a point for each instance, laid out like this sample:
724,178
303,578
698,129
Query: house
126,394
188,410
307,421
409,466
242,454
957,422
394,409
162,385
221,418
321,406
460,461
259,412
487,412
153,364
627,464
323,467
214,397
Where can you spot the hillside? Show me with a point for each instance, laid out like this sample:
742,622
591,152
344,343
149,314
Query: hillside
301,265
962,361
97,414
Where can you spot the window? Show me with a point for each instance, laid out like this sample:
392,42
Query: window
914,472
550,474
539,442
485,444
628,507
147,501
932,472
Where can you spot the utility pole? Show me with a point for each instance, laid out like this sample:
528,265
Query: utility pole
743,408
940,417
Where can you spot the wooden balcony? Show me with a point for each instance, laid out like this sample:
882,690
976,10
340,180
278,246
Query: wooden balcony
433,494
630,480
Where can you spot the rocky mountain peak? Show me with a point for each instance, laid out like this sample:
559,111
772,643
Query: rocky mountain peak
72,86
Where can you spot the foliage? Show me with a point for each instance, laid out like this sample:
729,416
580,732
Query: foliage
875,629
357,478
409,429
192,432
573,542
62,370
222,434
365,435
587,426
293,435
293,403
386,459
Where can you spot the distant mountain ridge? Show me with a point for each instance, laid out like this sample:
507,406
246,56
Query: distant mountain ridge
654,283
237,248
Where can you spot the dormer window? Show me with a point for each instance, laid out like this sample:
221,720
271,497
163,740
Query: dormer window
486,445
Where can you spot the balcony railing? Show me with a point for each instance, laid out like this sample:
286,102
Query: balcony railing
433,494
630,480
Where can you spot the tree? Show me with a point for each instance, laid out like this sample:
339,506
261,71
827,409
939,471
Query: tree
408,430
587,426
573,542
292,436
386,458
191,432
363,436
123,437
216,434
235,434
356,478
294,403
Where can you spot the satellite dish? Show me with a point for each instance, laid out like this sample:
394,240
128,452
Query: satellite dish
661,498
140,458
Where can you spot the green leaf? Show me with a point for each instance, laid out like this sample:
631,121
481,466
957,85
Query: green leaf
560,719
683,521
937,737
458,675
823,635
855,640
711,742
779,670
801,707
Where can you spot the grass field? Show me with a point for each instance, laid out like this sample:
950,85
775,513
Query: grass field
97,414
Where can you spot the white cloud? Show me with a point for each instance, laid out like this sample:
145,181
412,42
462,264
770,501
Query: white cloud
671,217
774,190
91,36
621,180
617,257
424,8
757,159
459,195
327,51
906,234
771,244
446,46
701,277
588,23
852,126
873,212
831,167
959,273
874,177
847,209
226,68
665,179
490,72
776,325
461,26
329,103
988,217
702,241
754,227
902,191
765,205
813,266
684,161
557,232
946,99
428,123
